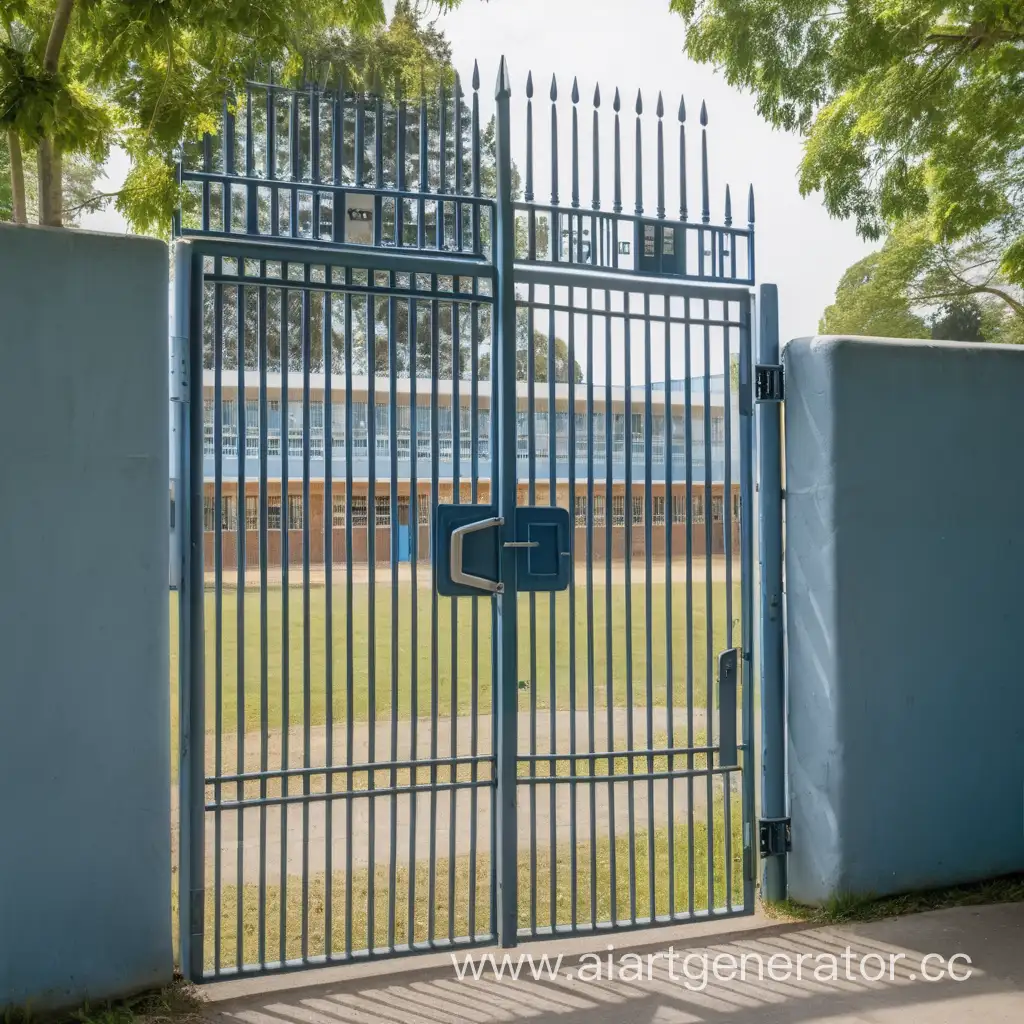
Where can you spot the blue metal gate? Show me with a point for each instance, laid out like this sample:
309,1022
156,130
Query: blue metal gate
379,324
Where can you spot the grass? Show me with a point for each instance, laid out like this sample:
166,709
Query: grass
178,1003
846,907
373,897
463,671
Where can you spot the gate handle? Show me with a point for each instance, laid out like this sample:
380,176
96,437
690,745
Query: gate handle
463,578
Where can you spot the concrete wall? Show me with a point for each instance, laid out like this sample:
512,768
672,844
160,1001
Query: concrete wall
905,567
84,704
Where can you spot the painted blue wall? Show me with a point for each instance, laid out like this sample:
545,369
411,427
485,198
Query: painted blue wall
904,570
85,868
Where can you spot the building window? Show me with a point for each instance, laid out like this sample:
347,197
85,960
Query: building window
228,512
274,512
581,510
483,434
208,427
274,430
698,508
338,510
295,430
252,428
658,510
252,512
638,508
316,430
736,507
423,503
382,510
295,518
229,427
716,508
717,428
208,513
678,508
599,510
338,429
358,511
618,510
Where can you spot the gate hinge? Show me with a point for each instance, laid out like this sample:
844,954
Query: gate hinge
769,382
775,836
179,368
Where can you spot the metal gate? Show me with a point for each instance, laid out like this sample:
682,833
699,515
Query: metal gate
373,324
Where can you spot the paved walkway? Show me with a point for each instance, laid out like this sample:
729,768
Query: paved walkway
426,991
449,838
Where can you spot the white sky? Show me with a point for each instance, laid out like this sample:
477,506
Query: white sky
639,44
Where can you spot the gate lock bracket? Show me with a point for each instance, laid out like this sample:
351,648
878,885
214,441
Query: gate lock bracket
467,549
769,382
775,836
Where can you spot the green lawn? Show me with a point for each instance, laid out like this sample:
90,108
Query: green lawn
566,862
460,676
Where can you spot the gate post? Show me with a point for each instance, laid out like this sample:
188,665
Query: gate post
773,691
504,389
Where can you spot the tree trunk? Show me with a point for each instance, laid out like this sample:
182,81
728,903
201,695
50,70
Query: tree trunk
50,182
17,177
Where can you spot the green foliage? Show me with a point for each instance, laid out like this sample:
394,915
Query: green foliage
916,288
148,74
911,109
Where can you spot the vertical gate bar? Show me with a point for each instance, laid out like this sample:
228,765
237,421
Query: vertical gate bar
228,150
208,167
573,766
271,158
617,191
705,212
683,212
709,616
575,146
285,618
251,207
240,568
414,555
477,189
218,598
393,449
552,622
505,317
597,253
661,160
378,178
688,445
264,618
457,128
727,550
531,216
628,503
531,499
327,354
349,613
188,323
453,742
337,198
556,223
435,374
649,596
314,160
400,132
591,699
421,210
773,695
359,143
609,551
306,645
750,234
442,160
747,596
670,682
371,563
639,209
474,425
295,167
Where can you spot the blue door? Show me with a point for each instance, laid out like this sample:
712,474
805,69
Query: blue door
404,547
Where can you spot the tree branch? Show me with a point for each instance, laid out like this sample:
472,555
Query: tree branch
51,177
58,31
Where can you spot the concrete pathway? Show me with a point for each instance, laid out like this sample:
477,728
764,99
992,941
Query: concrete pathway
426,990
453,823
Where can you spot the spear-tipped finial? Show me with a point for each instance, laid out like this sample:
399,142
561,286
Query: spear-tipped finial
728,207
616,102
682,110
476,75
639,103
597,95
660,109
750,206
458,86
529,85
504,85
575,91
703,113
554,89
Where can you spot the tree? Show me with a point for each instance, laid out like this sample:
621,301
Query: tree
78,76
912,284
959,321
911,111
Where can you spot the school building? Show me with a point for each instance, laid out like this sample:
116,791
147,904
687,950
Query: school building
411,451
